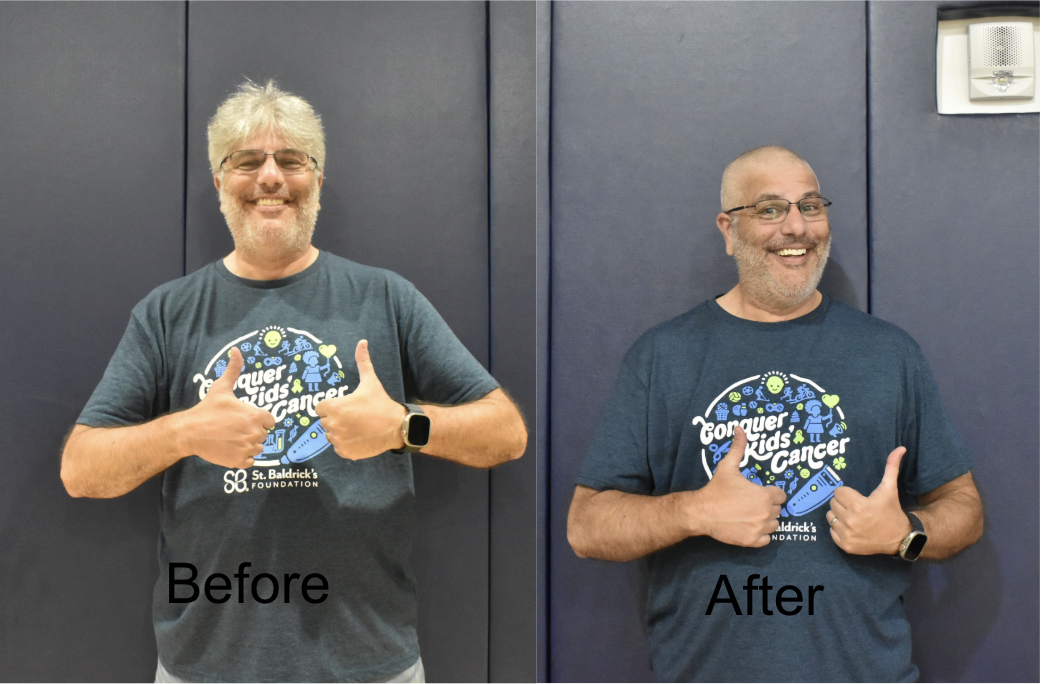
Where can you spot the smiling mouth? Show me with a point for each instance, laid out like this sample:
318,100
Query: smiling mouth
270,202
792,252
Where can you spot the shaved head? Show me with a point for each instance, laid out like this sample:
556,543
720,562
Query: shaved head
734,180
781,256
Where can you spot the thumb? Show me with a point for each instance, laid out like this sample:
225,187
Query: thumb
737,452
226,383
366,372
893,467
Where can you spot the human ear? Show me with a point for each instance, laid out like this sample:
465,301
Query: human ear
723,222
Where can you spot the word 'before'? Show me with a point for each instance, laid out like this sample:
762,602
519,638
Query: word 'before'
218,587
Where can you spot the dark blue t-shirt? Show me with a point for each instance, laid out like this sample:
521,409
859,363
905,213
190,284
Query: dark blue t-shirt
301,508
824,399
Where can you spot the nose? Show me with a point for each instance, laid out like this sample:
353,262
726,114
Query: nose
794,223
269,175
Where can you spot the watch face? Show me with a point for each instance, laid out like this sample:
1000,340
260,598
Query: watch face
419,429
915,546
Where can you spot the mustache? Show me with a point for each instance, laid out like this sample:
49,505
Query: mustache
792,243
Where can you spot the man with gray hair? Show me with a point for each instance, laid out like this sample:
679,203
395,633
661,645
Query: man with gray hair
287,493
743,452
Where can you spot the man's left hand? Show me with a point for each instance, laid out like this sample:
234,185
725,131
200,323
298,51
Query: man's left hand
865,525
366,422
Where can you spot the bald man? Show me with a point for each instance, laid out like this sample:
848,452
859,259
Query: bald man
755,451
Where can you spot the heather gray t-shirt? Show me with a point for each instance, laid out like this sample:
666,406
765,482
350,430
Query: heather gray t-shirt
824,399
301,508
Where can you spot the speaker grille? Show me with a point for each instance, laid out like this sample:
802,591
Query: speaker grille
1000,45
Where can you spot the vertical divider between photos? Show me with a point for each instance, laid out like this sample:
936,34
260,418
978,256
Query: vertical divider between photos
544,152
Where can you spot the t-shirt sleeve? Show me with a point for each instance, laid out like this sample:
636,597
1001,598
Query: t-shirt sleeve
936,455
437,367
618,455
129,391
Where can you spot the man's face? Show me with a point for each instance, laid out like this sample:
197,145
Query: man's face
269,212
779,264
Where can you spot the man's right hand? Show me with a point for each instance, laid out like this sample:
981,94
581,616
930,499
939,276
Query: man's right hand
732,509
223,430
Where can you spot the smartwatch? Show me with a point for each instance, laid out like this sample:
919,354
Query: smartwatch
913,544
416,429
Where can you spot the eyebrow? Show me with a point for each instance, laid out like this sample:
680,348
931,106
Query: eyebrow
771,196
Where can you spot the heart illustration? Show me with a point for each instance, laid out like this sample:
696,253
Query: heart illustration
327,350
830,399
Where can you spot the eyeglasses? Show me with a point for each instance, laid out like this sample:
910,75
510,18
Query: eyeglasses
775,210
289,160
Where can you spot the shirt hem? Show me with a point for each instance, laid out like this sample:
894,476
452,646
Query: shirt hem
380,674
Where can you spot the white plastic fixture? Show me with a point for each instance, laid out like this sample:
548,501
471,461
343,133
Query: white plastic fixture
1002,60
988,66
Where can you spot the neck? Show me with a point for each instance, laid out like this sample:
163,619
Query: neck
269,267
739,303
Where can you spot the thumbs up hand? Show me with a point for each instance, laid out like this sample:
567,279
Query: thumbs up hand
223,430
865,525
732,509
366,422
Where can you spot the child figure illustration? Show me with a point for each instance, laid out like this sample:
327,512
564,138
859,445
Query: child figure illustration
312,374
815,423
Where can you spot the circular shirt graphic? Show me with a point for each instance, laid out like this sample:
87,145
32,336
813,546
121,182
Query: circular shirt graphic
796,432
287,372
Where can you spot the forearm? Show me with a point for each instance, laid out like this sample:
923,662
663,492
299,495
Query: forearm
481,434
103,463
616,526
952,524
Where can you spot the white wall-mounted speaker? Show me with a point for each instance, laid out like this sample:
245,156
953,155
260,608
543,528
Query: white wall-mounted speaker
967,82
1002,60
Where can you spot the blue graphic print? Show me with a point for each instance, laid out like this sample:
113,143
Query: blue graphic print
798,437
270,380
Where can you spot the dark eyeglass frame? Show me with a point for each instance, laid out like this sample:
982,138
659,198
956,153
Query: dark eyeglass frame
270,154
825,206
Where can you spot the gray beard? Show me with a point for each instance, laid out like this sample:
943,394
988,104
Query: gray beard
758,282
258,243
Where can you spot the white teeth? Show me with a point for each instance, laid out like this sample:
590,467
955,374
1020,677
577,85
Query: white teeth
270,202
792,252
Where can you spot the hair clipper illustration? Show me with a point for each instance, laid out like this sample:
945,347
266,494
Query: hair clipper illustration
311,444
814,492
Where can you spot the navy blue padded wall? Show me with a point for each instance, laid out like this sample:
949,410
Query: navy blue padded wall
955,235
512,155
650,103
401,88
92,126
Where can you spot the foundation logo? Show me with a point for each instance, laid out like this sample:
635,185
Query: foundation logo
286,372
796,438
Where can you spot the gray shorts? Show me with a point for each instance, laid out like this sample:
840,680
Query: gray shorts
411,674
